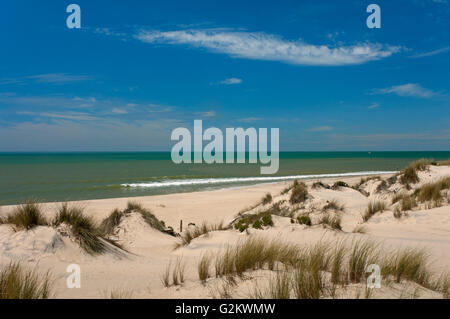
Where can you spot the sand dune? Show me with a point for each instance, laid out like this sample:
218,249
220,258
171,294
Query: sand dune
137,273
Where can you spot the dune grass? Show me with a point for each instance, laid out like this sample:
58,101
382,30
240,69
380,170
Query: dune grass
165,276
267,199
331,220
409,174
333,205
251,254
204,266
191,233
360,229
302,274
279,287
299,193
432,191
17,282
319,184
337,185
443,163
373,208
89,236
26,216
113,220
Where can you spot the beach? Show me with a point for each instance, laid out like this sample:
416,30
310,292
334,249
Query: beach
138,270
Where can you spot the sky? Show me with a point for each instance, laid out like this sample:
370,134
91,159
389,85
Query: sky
136,70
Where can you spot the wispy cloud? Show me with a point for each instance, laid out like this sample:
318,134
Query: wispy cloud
373,106
409,89
47,78
262,46
77,116
206,114
117,110
231,81
431,53
320,129
249,119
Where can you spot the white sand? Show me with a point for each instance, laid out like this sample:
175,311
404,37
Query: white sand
139,274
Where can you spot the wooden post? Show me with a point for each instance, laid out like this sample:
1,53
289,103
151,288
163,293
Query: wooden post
181,225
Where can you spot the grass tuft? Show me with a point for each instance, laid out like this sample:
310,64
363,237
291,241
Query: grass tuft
267,199
19,283
89,236
204,266
26,216
299,193
373,208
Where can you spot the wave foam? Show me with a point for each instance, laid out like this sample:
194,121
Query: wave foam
229,180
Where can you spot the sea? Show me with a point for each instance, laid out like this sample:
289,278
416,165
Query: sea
48,177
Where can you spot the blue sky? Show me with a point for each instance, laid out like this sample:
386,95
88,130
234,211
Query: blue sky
136,70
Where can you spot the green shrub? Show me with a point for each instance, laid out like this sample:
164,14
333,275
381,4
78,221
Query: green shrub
304,220
267,220
257,224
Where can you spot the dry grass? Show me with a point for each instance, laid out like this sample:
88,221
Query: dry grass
443,163
267,199
113,220
279,287
251,254
409,174
331,220
19,283
432,191
83,228
165,276
362,253
191,233
360,229
299,193
373,208
304,268
26,216
333,205
408,264
178,272
337,185
119,294
203,267
319,184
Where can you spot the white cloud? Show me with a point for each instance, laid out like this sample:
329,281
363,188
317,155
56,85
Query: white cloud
250,119
231,81
431,53
373,105
320,129
409,89
76,116
119,111
47,78
206,114
262,46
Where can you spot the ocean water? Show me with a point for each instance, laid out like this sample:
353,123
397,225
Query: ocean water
76,176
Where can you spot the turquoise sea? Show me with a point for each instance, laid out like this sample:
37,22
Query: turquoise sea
75,176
